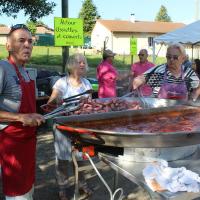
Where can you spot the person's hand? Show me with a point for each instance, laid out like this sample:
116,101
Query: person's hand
138,81
32,119
195,94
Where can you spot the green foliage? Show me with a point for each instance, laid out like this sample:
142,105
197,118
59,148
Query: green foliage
89,15
31,26
34,8
162,15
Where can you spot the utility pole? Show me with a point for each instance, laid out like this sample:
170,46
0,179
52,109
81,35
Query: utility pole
65,50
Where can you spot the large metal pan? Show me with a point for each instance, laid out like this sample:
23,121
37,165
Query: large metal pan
151,102
130,139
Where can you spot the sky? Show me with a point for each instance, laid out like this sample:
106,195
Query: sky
145,10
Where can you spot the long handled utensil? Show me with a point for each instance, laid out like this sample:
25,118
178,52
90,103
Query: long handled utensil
138,93
78,95
70,104
63,109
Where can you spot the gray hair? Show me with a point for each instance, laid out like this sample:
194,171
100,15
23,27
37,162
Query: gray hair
73,61
145,50
178,46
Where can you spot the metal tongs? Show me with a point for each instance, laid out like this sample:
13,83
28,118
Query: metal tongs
138,93
129,94
64,108
70,104
73,98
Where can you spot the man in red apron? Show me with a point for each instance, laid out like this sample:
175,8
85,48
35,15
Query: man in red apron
171,80
18,119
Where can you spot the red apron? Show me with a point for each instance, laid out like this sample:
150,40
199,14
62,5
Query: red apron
18,146
173,90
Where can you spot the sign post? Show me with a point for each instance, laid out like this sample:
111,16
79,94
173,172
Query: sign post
65,49
68,32
133,47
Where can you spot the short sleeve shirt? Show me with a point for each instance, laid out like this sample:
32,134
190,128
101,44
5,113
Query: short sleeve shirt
10,90
106,76
66,89
155,77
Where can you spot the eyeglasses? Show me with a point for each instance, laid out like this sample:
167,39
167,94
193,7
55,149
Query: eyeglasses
18,26
140,54
174,57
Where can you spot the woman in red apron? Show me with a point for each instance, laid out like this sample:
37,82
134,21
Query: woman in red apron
18,139
176,91
169,80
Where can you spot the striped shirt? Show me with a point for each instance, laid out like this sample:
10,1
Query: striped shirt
155,78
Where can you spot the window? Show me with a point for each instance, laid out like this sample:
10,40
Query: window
150,41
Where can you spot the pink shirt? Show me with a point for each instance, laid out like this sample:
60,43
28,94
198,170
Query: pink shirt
106,75
138,69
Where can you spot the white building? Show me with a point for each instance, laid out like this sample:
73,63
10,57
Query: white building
116,34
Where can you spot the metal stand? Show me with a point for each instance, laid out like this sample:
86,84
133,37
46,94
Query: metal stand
76,193
133,172
76,190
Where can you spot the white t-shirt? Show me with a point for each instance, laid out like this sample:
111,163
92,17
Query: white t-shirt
67,90
63,143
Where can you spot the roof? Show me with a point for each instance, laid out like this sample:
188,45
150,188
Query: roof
4,30
140,26
42,29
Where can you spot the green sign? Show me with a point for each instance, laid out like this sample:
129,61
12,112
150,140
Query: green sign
133,46
68,32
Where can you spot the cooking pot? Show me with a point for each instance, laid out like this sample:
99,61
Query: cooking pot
138,146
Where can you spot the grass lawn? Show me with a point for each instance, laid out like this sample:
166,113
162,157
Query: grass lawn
50,58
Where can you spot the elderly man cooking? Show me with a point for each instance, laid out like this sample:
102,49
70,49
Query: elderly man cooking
18,117
172,80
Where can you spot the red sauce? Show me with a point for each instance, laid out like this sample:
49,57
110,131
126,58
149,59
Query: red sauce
185,121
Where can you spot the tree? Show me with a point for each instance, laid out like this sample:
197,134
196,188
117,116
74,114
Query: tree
162,15
31,26
34,8
89,15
